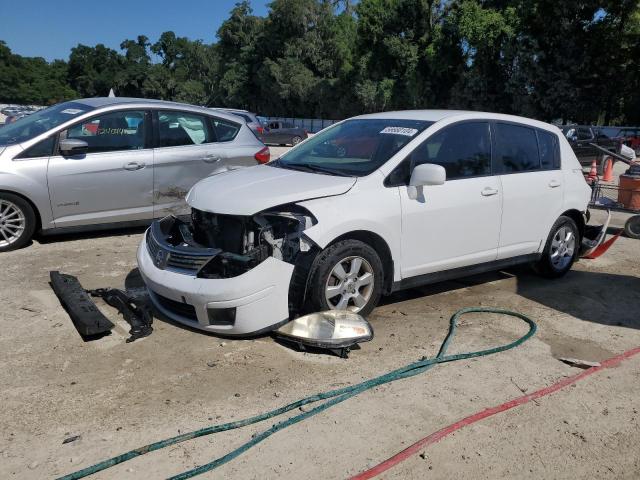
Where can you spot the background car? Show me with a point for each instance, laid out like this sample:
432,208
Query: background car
630,136
251,118
583,137
283,133
111,162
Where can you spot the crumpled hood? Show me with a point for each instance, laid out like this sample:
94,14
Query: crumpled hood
247,191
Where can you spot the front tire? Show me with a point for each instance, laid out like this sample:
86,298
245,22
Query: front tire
561,249
347,275
17,222
296,140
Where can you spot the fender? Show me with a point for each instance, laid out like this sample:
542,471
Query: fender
28,178
367,196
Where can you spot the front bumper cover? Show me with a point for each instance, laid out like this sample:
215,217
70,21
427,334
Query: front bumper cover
260,296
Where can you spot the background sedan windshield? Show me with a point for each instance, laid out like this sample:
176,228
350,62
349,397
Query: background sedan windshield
355,147
28,127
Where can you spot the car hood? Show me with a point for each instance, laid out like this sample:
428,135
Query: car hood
246,191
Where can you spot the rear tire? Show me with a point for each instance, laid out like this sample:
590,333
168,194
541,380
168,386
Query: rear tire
17,222
295,140
346,275
632,227
561,249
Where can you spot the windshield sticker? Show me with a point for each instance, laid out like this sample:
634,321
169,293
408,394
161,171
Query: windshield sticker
408,132
72,111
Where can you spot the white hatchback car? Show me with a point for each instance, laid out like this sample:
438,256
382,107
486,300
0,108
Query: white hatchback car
369,206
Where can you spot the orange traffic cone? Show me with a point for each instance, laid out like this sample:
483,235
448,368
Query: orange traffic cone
607,170
593,173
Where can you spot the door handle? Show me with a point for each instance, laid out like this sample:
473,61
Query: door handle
211,159
488,191
131,166
554,183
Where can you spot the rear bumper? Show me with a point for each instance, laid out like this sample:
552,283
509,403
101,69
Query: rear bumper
253,302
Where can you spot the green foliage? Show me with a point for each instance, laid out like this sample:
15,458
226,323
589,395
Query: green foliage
546,59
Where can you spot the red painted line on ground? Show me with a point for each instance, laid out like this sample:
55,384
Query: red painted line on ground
436,436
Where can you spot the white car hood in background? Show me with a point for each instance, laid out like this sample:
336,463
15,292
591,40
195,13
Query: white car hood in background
246,191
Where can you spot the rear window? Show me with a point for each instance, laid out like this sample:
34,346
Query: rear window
516,148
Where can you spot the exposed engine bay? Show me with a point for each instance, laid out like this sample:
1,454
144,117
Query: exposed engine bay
224,246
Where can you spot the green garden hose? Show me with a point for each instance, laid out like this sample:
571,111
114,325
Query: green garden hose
332,397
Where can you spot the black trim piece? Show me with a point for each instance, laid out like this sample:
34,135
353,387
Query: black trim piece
460,272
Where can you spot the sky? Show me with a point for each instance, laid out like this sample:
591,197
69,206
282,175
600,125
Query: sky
50,28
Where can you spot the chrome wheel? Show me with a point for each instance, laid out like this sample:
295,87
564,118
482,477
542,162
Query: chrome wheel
12,223
563,247
350,284
295,140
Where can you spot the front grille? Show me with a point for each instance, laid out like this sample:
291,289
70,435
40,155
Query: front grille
184,262
183,309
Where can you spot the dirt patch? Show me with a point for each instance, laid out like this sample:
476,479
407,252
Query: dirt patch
116,396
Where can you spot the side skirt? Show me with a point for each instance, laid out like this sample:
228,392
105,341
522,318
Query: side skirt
454,273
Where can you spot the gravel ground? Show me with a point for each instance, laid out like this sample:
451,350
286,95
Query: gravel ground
116,396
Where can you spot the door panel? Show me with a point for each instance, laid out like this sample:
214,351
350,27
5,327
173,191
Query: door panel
449,226
187,153
113,181
531,203
101,187
532,196
458,223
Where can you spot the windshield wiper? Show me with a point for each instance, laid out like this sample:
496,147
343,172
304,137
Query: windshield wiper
311,168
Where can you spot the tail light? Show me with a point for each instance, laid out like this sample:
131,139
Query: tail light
263,156
260,130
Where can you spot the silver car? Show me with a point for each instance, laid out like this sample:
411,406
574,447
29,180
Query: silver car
109,162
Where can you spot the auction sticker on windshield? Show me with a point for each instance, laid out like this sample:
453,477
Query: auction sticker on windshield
72,111
409,132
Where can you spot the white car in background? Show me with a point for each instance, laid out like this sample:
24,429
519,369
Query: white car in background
369,206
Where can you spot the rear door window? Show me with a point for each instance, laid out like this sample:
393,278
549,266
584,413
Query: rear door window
113,131
177,129
516,148
548,147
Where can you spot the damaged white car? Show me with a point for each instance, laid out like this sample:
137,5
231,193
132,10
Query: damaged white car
369,206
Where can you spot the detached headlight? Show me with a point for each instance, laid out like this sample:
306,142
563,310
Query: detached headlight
335,330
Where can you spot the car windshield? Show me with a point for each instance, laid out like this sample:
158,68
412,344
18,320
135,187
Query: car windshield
353,148
32,125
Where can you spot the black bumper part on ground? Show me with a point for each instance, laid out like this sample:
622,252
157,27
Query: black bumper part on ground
86,317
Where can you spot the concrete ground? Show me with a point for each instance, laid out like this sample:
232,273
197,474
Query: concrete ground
116,396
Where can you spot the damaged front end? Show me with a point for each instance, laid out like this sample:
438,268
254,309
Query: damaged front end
219,246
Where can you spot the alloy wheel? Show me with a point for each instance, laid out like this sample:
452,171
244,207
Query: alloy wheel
563,247
12,223
350,284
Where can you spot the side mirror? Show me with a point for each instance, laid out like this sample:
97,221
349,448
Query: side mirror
425,174
73,146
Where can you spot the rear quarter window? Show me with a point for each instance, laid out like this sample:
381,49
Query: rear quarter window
549,150
225,130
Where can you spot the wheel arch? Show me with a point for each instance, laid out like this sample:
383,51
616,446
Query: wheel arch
381,247
35,209
578,217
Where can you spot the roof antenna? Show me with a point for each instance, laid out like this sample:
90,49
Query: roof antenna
111,93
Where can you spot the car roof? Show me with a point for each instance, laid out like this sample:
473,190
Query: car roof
103,102
437,115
